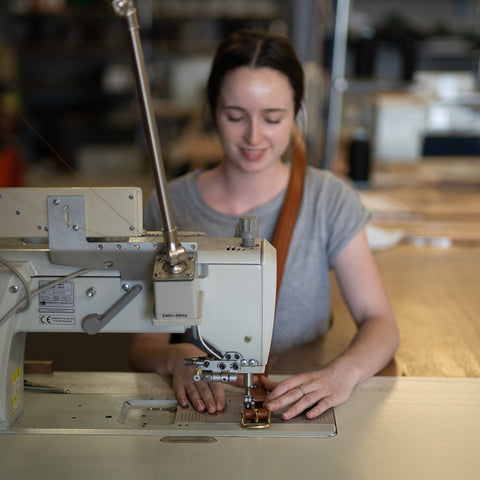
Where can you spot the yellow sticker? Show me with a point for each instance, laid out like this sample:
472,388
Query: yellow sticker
16,389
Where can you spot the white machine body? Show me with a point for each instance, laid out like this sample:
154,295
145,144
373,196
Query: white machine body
226,293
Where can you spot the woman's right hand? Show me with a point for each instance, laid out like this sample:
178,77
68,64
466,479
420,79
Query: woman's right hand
203,396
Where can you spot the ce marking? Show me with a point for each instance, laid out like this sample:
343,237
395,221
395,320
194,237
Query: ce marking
46,319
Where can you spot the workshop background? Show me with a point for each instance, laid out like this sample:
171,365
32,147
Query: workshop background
402,78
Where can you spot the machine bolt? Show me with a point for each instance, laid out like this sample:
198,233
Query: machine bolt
197,374
91,292
125,287
76,228
14,289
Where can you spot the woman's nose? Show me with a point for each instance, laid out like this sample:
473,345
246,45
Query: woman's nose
253,133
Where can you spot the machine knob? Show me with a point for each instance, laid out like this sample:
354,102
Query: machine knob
248,230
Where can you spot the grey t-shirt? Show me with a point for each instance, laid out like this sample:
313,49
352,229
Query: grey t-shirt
330,216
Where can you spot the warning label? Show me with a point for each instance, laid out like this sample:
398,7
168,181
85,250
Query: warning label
56,319
59,298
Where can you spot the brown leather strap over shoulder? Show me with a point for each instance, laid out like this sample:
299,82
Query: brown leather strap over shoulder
291,204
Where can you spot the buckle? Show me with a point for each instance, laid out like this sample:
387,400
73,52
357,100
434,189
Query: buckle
256,418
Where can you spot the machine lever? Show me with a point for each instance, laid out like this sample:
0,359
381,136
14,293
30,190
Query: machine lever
94,322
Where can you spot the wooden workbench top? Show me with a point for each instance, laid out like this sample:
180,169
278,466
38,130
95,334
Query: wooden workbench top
434,290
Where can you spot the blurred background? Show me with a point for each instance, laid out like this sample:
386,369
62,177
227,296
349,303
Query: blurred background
403,75
392,83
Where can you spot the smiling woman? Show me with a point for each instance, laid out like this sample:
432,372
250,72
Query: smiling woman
255,90
254,118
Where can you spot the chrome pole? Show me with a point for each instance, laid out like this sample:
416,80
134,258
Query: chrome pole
176,253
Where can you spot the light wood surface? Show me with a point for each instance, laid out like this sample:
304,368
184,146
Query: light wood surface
391,428
434,290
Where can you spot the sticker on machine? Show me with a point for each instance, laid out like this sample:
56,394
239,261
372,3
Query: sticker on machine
56,319
16,389
59,298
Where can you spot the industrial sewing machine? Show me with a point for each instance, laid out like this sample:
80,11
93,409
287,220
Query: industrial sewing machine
78,260
98,271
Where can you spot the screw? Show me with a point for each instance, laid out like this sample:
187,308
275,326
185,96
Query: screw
14,289
56,202
91,292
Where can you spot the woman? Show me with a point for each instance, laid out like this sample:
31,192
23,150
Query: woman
255,91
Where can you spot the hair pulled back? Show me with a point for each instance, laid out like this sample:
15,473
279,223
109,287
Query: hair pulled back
255,48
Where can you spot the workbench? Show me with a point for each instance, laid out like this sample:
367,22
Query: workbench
391,427
419,419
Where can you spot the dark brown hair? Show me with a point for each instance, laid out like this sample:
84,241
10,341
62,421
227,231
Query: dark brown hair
255,48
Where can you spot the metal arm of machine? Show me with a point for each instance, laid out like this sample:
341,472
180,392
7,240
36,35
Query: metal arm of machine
176,253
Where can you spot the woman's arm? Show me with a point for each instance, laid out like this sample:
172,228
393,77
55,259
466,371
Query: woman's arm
152,352
374,344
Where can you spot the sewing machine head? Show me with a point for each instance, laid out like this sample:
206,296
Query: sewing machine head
71,262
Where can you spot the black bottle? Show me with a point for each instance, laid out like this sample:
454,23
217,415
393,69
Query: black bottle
359,158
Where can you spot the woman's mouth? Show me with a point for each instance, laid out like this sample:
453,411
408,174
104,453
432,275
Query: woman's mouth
253,153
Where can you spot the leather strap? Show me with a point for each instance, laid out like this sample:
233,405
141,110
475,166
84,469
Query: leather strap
291,204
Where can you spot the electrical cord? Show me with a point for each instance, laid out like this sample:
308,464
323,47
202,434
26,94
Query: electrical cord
14,270
207,348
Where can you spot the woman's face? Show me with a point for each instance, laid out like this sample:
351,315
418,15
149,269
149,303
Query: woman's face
254,117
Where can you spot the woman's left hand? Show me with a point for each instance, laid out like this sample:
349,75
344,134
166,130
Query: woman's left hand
313,391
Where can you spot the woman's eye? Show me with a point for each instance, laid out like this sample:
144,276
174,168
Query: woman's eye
273,120
234,119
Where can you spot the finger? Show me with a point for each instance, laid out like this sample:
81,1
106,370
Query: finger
267,383
282,401
296,409
288,385
321,407
206,395
219,395
181,395
195,398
